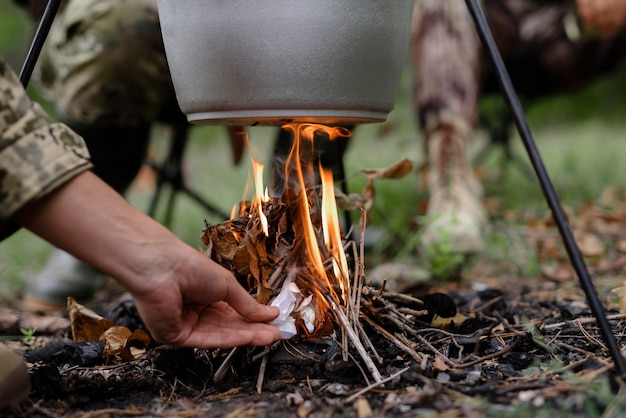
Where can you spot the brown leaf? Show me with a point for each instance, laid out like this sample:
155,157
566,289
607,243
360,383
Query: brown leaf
439,321
590,245
115,340
119,341
226,245
351,202
86,325
559,272
396,171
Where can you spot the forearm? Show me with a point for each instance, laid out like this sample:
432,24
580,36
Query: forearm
183,297
94,223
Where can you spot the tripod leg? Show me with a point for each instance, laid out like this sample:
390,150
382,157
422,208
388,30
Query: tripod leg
38,41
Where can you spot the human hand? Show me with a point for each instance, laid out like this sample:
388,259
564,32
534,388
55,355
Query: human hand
604,17
198,303
183,297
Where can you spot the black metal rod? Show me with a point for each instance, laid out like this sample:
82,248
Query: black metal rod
551,197
45,23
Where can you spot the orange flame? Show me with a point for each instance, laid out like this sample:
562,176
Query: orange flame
312,219
259,196
332,231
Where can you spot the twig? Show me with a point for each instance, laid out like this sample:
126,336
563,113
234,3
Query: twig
492,355
266,350
361,265
577,321
374,385
402,298
366,338
275,275
259,381
436,352
402,346
413,312
221,372
354,338
589,337
486,305
358,365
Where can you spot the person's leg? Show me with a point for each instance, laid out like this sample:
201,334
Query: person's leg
105,70
446,58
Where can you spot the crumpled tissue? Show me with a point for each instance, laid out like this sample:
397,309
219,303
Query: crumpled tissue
286,302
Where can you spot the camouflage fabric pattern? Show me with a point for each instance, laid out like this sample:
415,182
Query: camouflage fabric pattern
104,63
36,154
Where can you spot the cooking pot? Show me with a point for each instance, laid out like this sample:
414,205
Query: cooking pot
272,62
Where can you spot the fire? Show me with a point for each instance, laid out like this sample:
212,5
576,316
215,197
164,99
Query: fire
259,196
290,248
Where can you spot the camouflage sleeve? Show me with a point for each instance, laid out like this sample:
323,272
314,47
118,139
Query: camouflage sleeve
37,155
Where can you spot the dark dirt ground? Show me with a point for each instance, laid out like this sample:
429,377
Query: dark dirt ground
524,345
510,346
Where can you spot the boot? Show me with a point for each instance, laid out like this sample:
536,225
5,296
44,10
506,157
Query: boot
456,217
14,378
117,154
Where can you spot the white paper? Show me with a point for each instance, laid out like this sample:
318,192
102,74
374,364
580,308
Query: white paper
286,302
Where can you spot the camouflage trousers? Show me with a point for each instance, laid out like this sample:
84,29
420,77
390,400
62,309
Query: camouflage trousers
104,63
451,70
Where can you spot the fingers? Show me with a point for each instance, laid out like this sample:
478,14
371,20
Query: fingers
257,335
237,297
220,326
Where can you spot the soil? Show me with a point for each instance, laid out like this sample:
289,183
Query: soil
522,343
492,343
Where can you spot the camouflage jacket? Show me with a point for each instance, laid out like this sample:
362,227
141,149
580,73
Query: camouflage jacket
37,155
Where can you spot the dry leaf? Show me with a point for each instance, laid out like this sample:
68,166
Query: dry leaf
86,325
119,341
351,202
396,171
439,321
559,272
590,245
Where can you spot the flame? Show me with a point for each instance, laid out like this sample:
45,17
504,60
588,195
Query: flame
323,265
259,197
332,231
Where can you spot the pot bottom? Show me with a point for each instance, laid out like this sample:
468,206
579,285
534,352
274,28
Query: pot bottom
284,116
